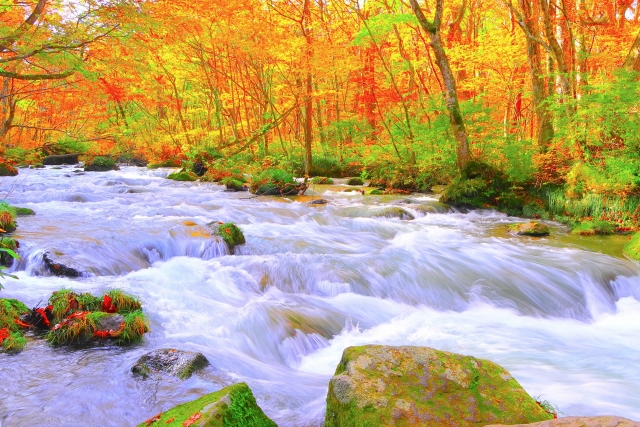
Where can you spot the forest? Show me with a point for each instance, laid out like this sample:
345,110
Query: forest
528,106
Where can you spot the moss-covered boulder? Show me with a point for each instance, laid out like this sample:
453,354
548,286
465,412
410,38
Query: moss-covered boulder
632,249
101,164
275,182
7,169
230,233
321,180
234,183
81,319
23,211
376,192
233,406
379,385
182,176
531,228
170,361
11,337
355,181
602,421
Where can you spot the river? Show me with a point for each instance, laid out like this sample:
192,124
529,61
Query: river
562,313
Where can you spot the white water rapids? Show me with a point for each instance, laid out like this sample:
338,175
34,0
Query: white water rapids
310,281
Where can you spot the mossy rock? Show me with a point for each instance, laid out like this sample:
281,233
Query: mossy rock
171,163
178,363
101,164
274,182
59,159
24,211
531,228
234,183
378,385
376,192
11,337
632,249
355,181
233,406
321,180
182,176
385,212
591,228
230,233
7,169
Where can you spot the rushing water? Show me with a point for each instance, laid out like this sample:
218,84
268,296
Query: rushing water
560,313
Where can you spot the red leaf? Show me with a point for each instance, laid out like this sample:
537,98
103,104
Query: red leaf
192,419
107,306
170,420
153,419
4,333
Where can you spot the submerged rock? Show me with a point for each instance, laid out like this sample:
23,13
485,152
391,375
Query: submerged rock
379,385
231,406
57,268
385,212
531,228
319,202
61,159
173,362
603,421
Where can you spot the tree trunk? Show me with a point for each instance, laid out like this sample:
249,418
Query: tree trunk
451,94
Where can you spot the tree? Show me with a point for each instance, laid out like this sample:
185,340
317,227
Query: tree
451,94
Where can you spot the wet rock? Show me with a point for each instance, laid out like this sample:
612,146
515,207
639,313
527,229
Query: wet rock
23,211
132,161
61,159
230,233
181,176
199,168
355,181
58,269
379,385
6,260
603,421
531,228
101,164
232,406
170,361
319,202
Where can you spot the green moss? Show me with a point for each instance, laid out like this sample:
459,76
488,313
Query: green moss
233,183
274,182
632,249
591,228
404,386
377,192
10,310
355,181
233,406
24,211
531,228
181,176
230,233
172,163
124,302
14,343
321,180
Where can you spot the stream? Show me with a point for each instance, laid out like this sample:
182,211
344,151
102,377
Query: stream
561,314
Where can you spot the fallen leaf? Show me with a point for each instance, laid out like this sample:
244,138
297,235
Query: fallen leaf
153,419
192,419
170,420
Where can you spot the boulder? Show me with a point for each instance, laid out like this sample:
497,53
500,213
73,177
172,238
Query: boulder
182,176
199,168
58,269
229,232
170,361
6,259
101,164
355,181
531,228
379,385
82,328
231,406
604,421
23,211
234,184
61,159
318,202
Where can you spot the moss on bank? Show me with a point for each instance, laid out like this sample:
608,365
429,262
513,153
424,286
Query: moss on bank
233,406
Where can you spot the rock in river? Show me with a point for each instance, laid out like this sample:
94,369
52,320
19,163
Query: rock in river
379,385
603,421
174,362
